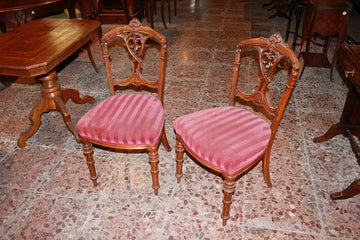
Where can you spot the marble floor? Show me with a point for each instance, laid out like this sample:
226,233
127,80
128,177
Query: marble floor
45,191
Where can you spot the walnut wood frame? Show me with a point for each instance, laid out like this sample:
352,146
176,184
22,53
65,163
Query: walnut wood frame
271,51
135,35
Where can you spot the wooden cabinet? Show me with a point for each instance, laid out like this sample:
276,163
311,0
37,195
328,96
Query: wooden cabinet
111,11
349,124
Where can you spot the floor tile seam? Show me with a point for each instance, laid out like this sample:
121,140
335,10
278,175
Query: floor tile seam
341,183
278,176
48,147
317,110
27,208
207,74
202,217
178,100
312,179
283,230
13,219
23,86
87,222
183,79
6,140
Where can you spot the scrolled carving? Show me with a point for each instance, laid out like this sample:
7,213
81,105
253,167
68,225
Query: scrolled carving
276,38
134,43
134,24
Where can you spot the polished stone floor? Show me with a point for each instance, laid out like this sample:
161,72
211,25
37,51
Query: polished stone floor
45,191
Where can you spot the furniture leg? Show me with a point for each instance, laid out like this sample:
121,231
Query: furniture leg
75,96
334,130
169,9
268,4
164,140
2,27
291,10
179,159
151,13
162,12
91,57
53,100
35,118
228,188
61,107
154,161
352,190
88,152
72,13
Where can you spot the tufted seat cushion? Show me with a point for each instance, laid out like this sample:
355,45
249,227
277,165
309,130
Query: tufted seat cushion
228,138
126,119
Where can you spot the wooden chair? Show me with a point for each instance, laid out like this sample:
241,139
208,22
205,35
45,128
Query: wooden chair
231,140
129,121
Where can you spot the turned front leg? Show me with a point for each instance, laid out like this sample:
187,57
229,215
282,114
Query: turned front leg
154,161
88,152
228,188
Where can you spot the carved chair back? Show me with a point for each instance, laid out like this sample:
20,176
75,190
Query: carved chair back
135,36
273,55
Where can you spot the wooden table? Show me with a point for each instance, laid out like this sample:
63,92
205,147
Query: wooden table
349,125
22,11
34,50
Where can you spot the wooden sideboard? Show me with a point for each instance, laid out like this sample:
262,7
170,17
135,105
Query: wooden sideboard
349,124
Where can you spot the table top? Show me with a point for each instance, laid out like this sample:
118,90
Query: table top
36,47
16,5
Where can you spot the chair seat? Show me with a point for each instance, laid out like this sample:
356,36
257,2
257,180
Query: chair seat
228,138
126,119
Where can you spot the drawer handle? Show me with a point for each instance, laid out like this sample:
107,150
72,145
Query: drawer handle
351,73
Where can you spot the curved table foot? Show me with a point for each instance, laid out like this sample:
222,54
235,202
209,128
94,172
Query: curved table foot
75,96
35,118
332,132
352,190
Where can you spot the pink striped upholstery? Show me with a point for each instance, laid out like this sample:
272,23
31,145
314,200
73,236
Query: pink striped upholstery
126,119
228,138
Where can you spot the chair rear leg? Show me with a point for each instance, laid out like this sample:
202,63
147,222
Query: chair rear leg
164,140
88,152
154,161
91,57
266,169
179,159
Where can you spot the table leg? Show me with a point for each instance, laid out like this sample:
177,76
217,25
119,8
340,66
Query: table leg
53,100
334,130
35,118
352,190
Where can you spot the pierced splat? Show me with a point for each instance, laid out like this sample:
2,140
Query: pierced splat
135,36
270,57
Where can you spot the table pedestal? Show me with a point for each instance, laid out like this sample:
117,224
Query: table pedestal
54,99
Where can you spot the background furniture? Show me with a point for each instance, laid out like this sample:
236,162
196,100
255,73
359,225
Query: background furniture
111,11
150,10
298,8
231,140
21,11
129,121
349,125
34,50
327,18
